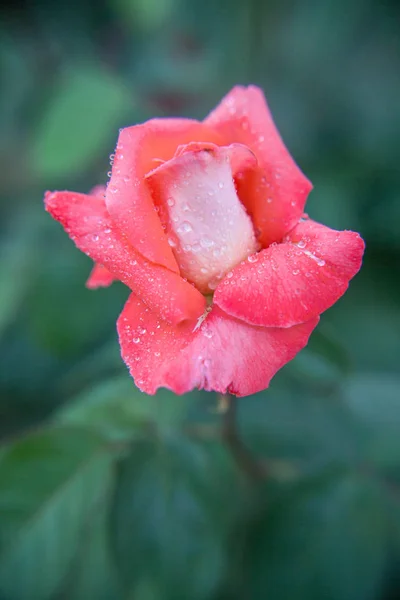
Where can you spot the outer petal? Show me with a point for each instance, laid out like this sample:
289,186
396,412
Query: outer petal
276,194
86,220
295,281
140,149
99,277
223,354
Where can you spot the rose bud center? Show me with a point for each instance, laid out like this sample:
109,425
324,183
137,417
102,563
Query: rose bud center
207,226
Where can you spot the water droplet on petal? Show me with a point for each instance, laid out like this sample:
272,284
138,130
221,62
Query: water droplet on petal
184,227
252,258
206,242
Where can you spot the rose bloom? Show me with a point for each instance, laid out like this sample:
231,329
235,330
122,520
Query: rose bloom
204,222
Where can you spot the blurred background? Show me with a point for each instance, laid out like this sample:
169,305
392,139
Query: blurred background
106,493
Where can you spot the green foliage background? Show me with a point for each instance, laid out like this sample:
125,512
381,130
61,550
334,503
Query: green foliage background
106,493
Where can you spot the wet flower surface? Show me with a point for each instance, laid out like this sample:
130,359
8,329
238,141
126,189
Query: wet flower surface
205,223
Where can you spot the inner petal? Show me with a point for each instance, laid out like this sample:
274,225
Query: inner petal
207,225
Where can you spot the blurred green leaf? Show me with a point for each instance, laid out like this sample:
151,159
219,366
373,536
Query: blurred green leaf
294,423
65,328
49,484
325,538
367,321
118,409
145,14
83,117
173,503
16,271
374,400
93,573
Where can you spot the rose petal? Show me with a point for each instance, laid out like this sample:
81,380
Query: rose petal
223,354
276,194
295,281
98,190
140,149
86,220
207,225
99,277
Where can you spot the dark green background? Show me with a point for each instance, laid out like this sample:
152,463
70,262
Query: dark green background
106,493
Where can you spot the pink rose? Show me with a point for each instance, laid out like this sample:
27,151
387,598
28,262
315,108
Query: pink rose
204,222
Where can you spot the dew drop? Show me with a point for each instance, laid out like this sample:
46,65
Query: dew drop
136,340
213,284
206,242
252,258
184,227
301,244
296,271
196,248
170,202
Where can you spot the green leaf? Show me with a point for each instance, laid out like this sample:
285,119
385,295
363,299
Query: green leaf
85,111
148,15
17,267
93,574
173,506
288,422
49,484
326,538
118,409
374,400
62,328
